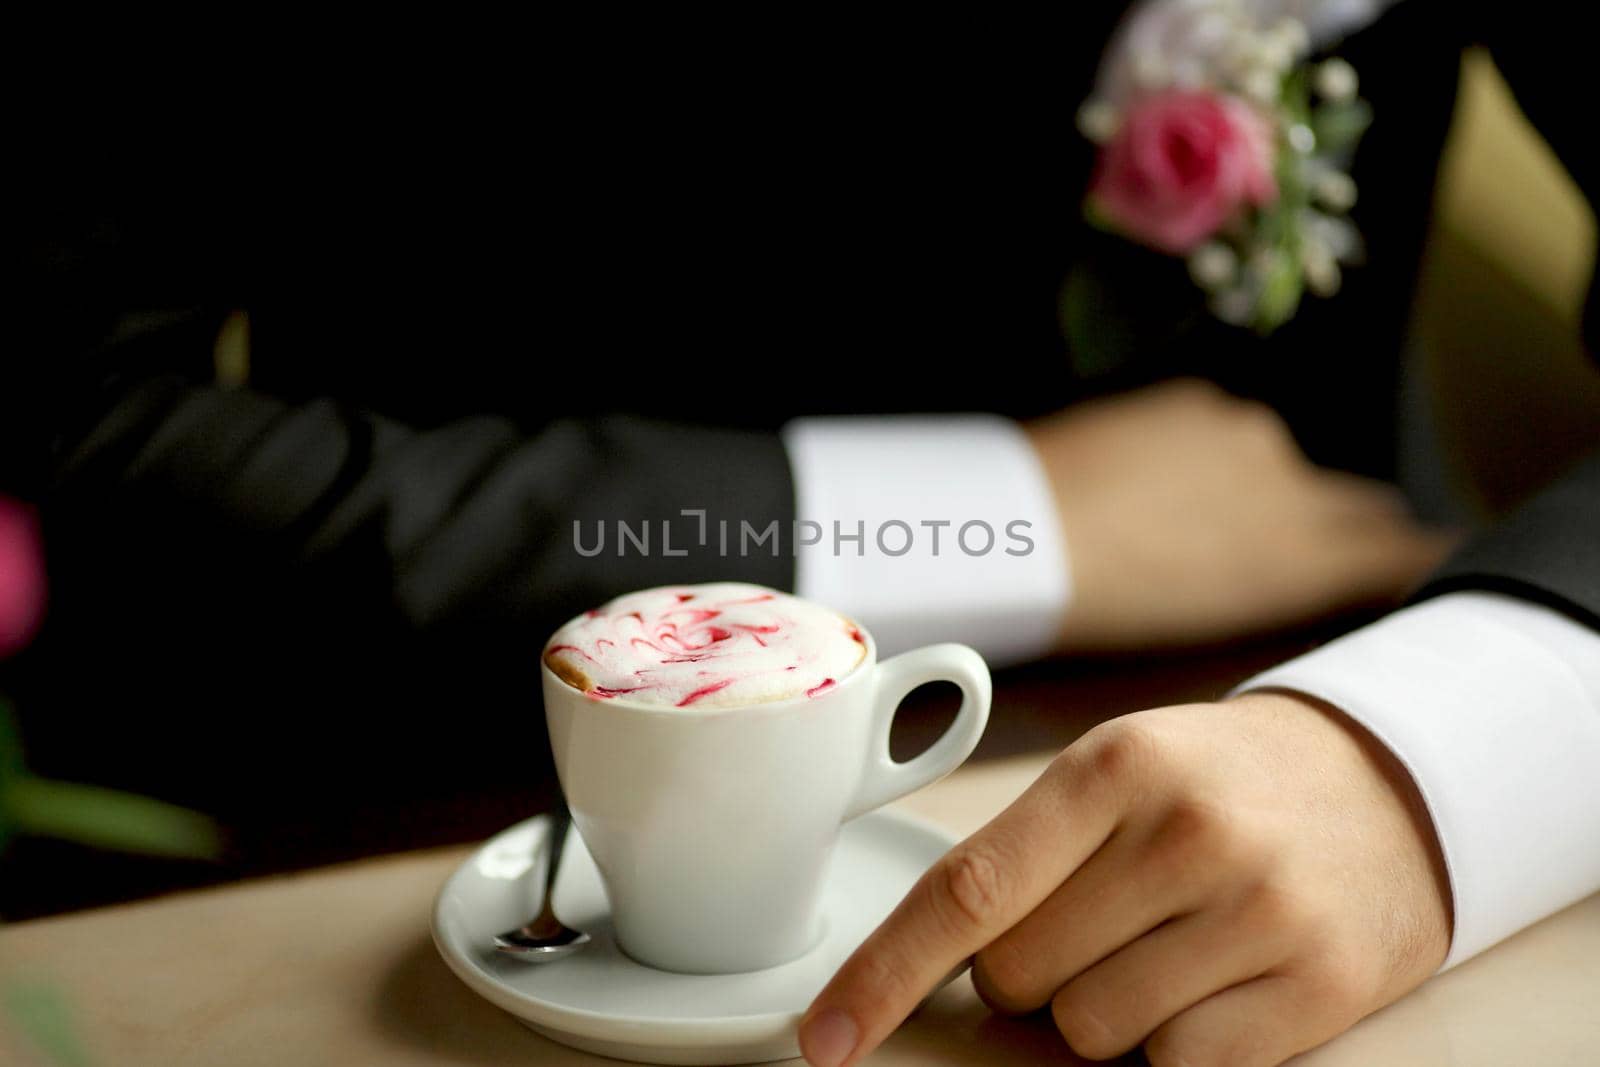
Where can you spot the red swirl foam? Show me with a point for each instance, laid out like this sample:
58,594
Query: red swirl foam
719,644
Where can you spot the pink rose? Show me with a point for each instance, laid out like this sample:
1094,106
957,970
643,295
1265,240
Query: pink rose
21,576
1181,165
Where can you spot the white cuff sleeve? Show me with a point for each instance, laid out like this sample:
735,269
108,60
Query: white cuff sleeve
929,529
1493,705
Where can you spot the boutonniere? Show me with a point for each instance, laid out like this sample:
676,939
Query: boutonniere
1221,143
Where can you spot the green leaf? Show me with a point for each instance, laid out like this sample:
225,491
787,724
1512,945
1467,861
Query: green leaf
108,818
1339,126
43,1014
1280,296
1295,98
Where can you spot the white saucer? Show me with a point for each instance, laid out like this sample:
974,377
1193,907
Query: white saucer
601,1001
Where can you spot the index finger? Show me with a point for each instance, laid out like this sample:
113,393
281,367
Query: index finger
978,891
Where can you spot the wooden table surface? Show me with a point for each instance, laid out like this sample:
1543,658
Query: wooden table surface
335,966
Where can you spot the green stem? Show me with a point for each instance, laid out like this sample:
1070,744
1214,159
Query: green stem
109,818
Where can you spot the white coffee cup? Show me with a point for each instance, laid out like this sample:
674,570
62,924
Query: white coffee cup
712,826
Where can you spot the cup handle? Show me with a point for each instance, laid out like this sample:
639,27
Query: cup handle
883,779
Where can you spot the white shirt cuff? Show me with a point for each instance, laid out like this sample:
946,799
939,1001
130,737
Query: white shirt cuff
1493,705
929,528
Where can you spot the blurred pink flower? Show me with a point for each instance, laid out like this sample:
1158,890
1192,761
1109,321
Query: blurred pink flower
21,576
1181,165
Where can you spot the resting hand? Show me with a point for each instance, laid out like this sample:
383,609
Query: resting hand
1191,516
1226,884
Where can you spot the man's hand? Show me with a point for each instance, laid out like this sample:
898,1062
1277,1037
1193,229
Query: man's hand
1226,884
1191,516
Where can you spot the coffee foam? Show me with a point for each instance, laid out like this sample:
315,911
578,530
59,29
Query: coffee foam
716,645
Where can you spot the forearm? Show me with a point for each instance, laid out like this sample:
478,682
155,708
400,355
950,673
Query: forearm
1493,706
471,522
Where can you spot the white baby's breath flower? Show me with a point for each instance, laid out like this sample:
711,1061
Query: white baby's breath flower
1274,50
1335,189
1338,235
1213,265
1302,139
1265,261
1212,30
1262,84
1098,120
1336,80
1321,270
1151,69
1290,34
1236,306
1234,60
1226,36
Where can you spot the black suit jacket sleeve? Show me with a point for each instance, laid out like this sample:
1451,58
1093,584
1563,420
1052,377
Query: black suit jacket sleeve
473,520
1548,551
156,485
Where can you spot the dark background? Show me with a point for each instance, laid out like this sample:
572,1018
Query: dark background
661,220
